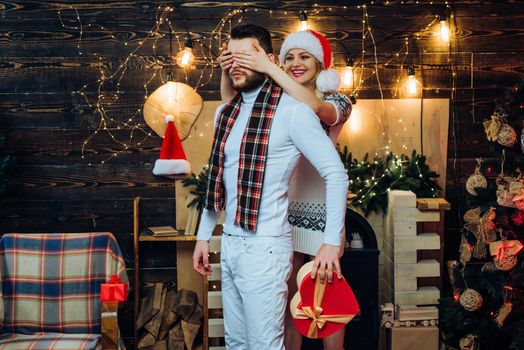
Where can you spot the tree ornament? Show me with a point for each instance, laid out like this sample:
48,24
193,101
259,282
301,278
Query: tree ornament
482,227
476,180
508,294
469,342
503,313
471,300
508,186
498,130
506,262
505,253
465,250
507,136
518,218
492,126
519,200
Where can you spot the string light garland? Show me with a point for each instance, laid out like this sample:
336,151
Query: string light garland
207,61
412,84
303,21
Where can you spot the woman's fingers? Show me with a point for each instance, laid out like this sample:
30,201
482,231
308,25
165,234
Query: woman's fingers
258,47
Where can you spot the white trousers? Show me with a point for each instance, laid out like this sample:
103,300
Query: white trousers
255,271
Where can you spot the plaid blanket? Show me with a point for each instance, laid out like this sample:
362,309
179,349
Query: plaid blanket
51,282
50,341
253,154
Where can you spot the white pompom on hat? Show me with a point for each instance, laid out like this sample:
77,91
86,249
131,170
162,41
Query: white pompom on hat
173,159
317,45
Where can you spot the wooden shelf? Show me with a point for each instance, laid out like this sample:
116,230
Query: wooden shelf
181,238
186,277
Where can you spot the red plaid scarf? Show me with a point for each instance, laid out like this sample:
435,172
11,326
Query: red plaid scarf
253,154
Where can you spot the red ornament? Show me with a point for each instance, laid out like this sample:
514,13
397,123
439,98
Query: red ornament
518,218
321,309
114,290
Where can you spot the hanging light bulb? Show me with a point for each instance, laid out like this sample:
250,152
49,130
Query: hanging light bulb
185,58
348,75
444,29
412,83
303,21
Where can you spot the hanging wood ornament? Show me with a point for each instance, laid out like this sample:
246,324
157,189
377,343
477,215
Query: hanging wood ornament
482,227
173,98
509,294
471,300
507,136
476,180
492,126
498,130
508,186
505,253
503,313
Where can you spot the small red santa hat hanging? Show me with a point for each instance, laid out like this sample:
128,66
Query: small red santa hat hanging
172,160
316,44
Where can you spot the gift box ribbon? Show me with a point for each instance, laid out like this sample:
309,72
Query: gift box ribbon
318,319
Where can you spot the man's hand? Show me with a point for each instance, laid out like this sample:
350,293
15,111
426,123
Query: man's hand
327,257
200,258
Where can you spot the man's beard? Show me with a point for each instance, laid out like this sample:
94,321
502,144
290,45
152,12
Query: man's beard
251,82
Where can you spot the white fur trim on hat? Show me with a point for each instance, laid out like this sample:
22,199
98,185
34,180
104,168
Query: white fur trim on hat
169,118
167,167
302,40
328,81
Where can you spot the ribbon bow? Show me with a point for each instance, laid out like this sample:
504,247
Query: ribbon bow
492,127
314,313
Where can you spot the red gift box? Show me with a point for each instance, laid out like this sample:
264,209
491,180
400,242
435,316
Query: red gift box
321,309
114,290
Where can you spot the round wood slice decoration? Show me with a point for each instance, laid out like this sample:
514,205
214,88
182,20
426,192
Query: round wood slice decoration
177,99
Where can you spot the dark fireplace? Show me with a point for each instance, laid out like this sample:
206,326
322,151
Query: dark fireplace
360,268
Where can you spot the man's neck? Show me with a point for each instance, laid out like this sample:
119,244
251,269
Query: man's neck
250,96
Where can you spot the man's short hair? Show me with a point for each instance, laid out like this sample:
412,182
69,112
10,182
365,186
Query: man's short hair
256,32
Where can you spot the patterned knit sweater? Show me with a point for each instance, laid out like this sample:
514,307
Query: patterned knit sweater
307,192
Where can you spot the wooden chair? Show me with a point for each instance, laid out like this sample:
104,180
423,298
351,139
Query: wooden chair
50,291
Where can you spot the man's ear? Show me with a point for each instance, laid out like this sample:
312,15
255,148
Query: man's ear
271,57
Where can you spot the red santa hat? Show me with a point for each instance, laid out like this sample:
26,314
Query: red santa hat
317,45
172,160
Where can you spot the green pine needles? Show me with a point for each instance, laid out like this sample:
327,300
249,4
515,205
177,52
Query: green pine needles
371,180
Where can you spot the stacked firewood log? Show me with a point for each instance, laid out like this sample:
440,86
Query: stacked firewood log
169,319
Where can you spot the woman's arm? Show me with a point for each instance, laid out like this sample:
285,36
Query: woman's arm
226,90
259,62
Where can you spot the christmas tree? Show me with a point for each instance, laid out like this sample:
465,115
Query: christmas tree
485,309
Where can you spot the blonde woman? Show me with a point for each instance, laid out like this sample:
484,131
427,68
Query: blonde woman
306,60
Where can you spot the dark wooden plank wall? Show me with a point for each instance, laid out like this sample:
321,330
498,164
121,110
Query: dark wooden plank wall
46,124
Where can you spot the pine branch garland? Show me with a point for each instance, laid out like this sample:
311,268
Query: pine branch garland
371,180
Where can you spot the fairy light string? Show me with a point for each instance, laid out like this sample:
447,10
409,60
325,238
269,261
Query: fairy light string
103,98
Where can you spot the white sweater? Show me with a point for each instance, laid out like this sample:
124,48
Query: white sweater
295,130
